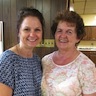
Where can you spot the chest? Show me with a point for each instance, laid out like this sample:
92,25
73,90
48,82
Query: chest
63,81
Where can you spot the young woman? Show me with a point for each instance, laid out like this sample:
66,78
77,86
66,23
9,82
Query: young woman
20,68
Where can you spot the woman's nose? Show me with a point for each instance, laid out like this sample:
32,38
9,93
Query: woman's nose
63,34
32,33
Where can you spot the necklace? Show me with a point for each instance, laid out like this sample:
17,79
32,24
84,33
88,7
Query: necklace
17,49
19,52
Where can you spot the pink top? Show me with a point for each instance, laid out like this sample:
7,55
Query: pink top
73,79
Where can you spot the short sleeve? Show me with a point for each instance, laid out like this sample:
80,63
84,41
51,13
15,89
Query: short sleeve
88,78
7,70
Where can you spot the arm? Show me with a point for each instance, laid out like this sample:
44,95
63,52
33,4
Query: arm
5,90
88,78
6,74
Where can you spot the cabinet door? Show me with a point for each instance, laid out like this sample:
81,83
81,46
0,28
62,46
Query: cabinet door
86,53
91,55
88,33
93,37
93,58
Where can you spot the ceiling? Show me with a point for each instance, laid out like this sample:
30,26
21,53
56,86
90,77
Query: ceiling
83,7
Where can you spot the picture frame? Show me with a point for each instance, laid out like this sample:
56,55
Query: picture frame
1,38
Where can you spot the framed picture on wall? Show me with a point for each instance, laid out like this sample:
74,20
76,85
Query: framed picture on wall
1,37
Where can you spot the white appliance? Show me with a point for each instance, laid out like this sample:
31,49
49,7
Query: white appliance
1,37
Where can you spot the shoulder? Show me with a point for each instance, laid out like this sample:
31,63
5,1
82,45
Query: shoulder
47,60
36,58
86,66
7,54
85,61
7,58
47,57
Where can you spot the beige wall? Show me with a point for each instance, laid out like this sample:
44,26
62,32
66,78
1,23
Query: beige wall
89,20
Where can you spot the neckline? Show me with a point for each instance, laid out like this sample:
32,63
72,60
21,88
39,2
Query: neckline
65,64
21,56
21,53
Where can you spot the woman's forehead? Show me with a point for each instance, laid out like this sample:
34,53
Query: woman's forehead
69,24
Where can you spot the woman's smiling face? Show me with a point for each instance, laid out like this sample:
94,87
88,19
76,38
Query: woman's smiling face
30,32
65,36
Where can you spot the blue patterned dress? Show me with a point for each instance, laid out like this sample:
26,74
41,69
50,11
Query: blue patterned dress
23,75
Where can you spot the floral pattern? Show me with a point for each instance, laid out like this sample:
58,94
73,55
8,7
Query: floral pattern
72,79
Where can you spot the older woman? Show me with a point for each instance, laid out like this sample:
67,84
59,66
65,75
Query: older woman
67,71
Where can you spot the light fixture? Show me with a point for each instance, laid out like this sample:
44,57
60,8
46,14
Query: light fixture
71,8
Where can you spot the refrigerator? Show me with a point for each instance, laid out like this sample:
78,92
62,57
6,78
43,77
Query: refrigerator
1,38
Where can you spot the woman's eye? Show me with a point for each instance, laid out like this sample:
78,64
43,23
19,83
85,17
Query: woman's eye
37,30
69,32
58,31
27,29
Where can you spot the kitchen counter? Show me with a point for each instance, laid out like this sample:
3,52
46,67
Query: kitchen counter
86,49
87,46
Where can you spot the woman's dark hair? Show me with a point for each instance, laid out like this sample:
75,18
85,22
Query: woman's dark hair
30,11
70,17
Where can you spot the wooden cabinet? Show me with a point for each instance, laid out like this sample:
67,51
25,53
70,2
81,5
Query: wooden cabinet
93,33
86,53
90,33
91,55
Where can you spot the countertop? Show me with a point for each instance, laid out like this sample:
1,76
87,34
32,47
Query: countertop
87,49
